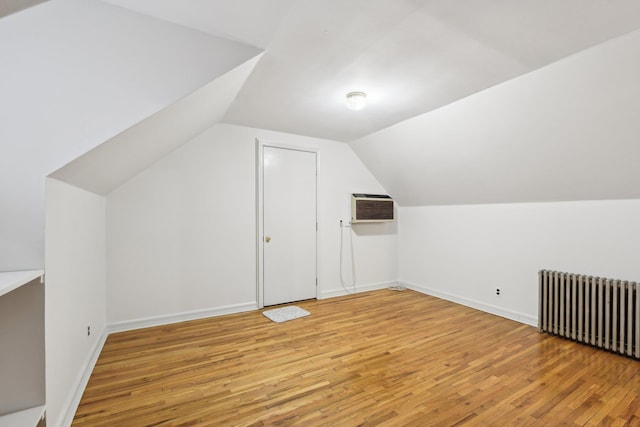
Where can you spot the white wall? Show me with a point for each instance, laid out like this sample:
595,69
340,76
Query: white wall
568,131
463,253
74,74
148,141
181,234
565,132
74,292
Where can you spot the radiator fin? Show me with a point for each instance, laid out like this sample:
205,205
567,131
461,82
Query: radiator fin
601,312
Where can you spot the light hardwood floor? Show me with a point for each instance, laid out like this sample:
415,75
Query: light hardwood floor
377,358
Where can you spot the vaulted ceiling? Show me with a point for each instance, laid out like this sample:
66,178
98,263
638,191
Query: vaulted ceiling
75,74
410,56
468,100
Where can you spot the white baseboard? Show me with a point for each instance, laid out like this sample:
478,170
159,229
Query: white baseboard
359,288
487,308
74,401
69,410
129,325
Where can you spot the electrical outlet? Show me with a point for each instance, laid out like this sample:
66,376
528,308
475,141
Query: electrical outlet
88,330
498,291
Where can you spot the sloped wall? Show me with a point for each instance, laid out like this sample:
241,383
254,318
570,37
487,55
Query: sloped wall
466,176
568,131
75,74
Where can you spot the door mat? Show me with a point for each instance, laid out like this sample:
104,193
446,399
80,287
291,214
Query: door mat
285,313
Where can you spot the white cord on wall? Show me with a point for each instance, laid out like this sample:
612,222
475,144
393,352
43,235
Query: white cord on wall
353,260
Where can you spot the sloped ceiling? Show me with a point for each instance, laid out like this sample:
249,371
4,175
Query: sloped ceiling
252,22
481,101
410,56
111,164
568,131
74,74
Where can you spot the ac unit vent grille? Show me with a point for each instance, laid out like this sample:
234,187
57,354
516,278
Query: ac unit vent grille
371,208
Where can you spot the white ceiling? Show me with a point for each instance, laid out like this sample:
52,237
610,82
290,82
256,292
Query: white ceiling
568,131
143,144
410,56
76,73
252,22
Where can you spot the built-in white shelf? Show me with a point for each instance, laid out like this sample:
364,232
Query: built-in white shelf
22,371
10,280
26,418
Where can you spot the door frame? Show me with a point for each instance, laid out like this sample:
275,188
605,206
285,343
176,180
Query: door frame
260,145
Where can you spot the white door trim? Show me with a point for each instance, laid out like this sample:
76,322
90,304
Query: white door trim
260,145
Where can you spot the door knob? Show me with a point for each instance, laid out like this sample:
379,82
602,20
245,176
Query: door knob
267,239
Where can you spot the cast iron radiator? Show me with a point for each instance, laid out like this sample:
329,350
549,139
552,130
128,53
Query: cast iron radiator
601,312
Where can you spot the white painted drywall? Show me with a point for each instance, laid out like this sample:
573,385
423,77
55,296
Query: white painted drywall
180,233
253,22
568,131
181,236
74,291
464,253
146,142
74,74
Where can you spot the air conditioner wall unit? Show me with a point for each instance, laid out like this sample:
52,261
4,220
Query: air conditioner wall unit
371,208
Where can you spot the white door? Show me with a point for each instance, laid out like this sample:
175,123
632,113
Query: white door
289,215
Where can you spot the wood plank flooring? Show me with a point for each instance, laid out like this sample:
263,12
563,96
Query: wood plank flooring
378,358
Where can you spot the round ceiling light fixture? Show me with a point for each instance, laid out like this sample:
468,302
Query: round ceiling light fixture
356,100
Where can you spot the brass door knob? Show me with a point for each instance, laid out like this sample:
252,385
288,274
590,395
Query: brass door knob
267,239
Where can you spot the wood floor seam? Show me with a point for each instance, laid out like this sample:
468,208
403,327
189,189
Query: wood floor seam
376,358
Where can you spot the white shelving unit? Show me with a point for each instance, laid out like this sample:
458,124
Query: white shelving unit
22,395
26,417
10,280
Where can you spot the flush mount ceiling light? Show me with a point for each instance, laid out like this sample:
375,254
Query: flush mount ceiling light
356,100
